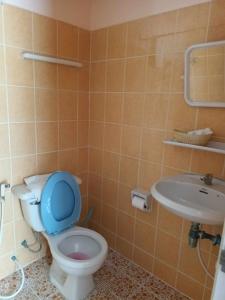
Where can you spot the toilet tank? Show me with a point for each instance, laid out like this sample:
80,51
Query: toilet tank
30,207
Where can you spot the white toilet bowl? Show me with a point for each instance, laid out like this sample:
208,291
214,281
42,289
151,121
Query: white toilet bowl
52,205
77,254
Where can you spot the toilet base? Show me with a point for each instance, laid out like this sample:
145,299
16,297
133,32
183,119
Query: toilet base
70,286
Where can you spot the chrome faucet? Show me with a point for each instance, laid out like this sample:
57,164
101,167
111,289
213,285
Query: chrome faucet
207,179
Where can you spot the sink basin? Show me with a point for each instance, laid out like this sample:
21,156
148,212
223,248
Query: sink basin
187,196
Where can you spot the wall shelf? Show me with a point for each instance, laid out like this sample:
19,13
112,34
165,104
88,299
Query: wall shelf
216,147
51,59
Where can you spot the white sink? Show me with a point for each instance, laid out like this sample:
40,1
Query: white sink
187,196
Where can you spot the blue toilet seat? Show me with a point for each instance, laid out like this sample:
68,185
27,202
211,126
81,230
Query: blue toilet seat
60,205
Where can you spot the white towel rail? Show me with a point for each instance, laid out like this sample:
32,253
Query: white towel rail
51,59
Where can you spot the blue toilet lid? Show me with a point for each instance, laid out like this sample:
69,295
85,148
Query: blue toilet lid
60,206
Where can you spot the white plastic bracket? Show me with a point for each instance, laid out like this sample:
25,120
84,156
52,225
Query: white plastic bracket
3,187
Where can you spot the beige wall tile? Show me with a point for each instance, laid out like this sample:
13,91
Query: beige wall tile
164,272
136,43
109,218
155,110
149,217
159,71
5,170
143,259
96,160
47,162
113,108
67,105
19,71
45,75
109,192
22,138
96,134
23,167
217,13
178,158
7,233
68,161
206,162
47,137
84,78
83,106
46,105
149,173
84,44
188,263
95,185
98,44
18,27
111,165
124,247
164,23
131,141
117,41
193,17
7,266
1,26
124,200
68,78
125,227
67,40
83,133
185,39
67,134
98,77
45,35
128,171
148,151
144,237
189,287
135,75
168,255
3,110
112,137
177,110
21,104
133,109
115,76
2,66
212,117
97,212
83,159
169,222
97,105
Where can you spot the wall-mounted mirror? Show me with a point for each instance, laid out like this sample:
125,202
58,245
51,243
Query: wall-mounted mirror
205,75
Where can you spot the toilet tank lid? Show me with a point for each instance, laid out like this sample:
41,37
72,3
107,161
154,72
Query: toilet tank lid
22,192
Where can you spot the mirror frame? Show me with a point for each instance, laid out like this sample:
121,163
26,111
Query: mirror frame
187,57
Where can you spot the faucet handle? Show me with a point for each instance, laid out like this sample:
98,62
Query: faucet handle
207,178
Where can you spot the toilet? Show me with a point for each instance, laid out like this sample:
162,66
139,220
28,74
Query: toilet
77,252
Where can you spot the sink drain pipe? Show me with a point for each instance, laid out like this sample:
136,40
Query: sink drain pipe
194,237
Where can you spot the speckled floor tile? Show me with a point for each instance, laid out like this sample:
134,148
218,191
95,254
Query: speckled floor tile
118,279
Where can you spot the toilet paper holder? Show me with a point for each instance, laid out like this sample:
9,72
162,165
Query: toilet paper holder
143,198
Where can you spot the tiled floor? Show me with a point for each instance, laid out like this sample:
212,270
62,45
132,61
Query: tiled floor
117,279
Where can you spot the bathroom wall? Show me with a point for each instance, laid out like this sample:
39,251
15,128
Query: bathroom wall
43,113
136,101
75,12
106,12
